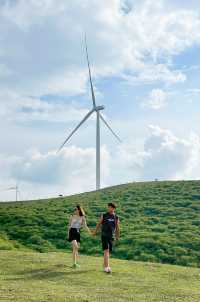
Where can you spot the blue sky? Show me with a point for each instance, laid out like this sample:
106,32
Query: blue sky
146,67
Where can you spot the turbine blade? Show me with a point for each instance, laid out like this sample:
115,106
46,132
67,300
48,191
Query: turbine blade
117,137
83,120
90,77
8,189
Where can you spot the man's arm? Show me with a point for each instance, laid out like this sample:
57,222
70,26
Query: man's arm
117,230
98,225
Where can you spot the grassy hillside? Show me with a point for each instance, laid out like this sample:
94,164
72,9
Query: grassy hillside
160,221
36,277
6,244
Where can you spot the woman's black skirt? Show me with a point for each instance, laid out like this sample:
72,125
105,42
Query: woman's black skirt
74,234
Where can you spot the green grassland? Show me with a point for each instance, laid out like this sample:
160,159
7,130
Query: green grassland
160,222
41,277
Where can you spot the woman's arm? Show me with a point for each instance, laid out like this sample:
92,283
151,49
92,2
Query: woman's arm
69,225
84,224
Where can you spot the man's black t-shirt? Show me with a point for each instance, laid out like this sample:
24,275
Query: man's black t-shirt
109,225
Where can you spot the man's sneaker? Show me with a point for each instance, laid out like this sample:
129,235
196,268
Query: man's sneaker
107,270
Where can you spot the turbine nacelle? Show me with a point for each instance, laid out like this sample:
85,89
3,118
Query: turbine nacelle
99,108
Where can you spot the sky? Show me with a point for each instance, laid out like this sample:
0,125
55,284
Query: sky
145,64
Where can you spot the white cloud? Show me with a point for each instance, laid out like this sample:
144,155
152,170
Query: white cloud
163,156
192,166
161,29
72,170
41,53
156,99
42,50
43,38
170,157
157,73
26,109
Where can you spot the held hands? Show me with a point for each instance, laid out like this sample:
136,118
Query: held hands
94,233
116,237
91,232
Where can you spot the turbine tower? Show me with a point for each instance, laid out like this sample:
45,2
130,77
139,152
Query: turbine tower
16,189
96,110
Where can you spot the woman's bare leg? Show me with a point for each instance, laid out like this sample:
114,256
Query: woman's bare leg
74,250
77,254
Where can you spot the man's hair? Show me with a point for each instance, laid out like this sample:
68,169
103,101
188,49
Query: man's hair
112,204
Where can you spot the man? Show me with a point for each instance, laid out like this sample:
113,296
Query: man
109,223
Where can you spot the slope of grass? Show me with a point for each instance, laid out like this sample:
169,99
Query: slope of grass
160,221
6,244
40,277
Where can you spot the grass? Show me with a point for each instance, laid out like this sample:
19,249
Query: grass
160,222
40,277
6,244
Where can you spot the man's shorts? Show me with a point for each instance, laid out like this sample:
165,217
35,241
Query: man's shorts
107,243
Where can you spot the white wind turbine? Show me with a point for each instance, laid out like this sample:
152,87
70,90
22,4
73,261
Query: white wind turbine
16,189
95,109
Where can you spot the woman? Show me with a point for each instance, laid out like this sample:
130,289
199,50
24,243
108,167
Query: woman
77,220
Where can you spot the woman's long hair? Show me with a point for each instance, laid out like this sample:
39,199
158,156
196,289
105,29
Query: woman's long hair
80,210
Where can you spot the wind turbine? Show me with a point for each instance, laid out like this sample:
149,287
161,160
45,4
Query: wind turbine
95,110
16,189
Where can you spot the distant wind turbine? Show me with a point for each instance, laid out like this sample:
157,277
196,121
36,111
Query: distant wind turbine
95,109
16,189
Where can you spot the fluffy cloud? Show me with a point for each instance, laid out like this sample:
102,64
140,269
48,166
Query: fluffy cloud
156,73
156,99
163,156
47,56
42,56
72,170
42,51
170,157
25,108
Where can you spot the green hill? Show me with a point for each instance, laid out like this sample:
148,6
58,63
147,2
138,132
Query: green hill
160,221
41,277
7,244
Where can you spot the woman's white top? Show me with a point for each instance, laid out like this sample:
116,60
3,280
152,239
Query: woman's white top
77,222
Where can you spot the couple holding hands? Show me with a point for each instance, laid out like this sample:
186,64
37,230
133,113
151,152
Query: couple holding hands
109,224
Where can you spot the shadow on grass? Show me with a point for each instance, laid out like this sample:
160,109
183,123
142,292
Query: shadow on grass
41,274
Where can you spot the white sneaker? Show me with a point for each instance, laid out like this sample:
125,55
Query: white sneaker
107,270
